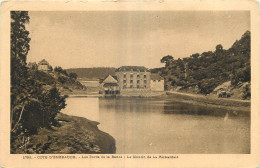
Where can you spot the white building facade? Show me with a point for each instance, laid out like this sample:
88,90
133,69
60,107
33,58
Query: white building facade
157,82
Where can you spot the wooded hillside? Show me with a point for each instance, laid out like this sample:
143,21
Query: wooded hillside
209,69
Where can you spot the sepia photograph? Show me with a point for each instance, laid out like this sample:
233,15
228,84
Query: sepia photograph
130,82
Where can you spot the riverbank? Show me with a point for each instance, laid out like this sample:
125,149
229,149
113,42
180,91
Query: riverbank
82,93
74,135
226,103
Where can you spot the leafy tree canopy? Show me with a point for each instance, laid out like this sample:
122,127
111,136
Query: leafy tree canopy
167,60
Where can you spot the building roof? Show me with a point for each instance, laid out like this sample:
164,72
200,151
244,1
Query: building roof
43,62
156,76
109,79
132,68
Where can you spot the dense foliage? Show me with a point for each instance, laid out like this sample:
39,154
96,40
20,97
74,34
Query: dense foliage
58,77
67,80
34,103
209,69
60,70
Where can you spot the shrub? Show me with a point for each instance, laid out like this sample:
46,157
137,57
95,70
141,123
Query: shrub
60,70
73,75
62,79
207,85
44,77
247,92
242,75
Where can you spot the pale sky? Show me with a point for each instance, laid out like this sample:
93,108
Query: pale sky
113,39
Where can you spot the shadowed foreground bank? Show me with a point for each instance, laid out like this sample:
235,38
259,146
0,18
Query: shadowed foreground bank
74,135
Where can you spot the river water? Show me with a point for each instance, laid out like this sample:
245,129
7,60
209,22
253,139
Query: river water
153,125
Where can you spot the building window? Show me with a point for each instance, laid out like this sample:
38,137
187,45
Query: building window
154,80
138,86
138,81
124,81
131,75
144,86
159,80
131,86
144,76
131,81
124,86
138,76
145,82
124,75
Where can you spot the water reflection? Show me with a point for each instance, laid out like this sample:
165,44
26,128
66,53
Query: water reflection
131,104
149,125
164,106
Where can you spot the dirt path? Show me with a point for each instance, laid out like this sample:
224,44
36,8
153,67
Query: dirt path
231,104
202,96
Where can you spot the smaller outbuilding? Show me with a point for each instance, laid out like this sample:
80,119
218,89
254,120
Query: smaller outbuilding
109,85
43,65
157,82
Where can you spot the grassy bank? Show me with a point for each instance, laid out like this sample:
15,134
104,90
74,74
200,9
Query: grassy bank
73,135
231,104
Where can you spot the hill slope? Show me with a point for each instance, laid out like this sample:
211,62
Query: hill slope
62,80
204,72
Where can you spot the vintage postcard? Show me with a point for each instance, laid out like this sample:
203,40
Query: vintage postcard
130,84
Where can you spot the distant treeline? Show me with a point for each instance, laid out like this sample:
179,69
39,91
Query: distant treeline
99,72
92,73
209,69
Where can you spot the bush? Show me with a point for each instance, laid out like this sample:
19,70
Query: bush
37,112
247,92
73,75
208,85
60,70
62,79
44,77
242,75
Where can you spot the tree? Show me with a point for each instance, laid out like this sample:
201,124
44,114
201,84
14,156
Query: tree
62,79
167,60
195,56
219,48
52,104
32,105
19,72
51,69
73,75
60,70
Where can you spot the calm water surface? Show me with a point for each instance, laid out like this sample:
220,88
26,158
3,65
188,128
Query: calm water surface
149,125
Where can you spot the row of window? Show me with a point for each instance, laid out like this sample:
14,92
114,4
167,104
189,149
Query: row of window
131,86
131,76
138,81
